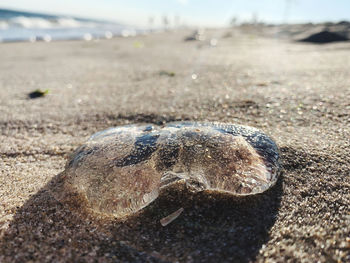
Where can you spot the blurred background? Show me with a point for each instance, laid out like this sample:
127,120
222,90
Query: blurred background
35,20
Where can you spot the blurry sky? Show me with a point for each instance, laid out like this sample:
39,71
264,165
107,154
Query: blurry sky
202,12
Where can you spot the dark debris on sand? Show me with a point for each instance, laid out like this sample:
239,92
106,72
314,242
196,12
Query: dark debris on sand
38,94
324,37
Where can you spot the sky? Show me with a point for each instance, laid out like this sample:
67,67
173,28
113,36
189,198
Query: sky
192,12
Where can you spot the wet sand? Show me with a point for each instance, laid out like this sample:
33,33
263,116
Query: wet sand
295,92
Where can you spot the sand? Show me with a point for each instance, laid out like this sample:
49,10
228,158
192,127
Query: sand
297,93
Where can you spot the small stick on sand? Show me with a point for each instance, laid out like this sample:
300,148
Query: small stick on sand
170,218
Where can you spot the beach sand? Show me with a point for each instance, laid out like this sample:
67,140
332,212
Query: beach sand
297,93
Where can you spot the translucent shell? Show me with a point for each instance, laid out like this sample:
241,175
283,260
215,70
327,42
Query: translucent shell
121,170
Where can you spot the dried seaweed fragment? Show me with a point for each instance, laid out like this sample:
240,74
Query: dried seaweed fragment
38,93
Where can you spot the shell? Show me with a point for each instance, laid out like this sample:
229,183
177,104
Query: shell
121,170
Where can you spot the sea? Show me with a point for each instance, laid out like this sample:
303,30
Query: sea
27,26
